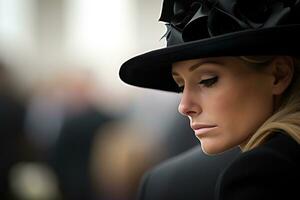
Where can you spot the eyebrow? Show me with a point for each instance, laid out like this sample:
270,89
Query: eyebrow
198,64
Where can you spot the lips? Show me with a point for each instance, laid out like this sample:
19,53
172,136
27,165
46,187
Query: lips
202,129
201,126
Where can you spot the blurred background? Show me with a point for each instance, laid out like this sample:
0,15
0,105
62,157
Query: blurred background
69,128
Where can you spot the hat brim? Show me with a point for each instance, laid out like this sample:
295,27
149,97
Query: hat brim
153,69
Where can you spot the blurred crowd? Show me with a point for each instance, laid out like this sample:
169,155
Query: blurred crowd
59,143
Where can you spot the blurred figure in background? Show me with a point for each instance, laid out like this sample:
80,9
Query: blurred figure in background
14,147
119,158
81,117
45,116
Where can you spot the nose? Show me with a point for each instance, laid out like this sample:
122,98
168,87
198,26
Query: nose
189,105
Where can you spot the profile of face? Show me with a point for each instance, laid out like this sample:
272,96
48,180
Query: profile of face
226,100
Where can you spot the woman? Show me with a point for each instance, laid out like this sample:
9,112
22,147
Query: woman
236,64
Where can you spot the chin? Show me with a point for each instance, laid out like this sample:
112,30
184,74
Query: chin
213,149
211,152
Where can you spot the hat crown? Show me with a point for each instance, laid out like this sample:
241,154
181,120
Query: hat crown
189,20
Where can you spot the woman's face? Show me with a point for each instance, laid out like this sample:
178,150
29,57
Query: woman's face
225,99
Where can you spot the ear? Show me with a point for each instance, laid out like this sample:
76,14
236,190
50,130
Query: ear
282,68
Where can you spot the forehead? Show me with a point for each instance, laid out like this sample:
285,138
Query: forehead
191,65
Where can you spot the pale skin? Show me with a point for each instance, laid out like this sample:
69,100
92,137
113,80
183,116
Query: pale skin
226,100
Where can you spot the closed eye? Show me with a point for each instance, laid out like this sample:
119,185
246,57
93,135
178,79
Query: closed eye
209,82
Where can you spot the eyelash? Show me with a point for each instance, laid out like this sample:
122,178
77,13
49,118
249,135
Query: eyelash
206,82
209,82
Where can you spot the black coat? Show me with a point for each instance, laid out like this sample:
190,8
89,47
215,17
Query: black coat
270,171
189,176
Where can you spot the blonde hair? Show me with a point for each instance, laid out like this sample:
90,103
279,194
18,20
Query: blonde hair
286,119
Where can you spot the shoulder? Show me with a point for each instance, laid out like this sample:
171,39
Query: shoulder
176,178
270,170
280,148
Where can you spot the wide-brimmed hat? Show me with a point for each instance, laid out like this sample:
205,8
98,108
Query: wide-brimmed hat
212,28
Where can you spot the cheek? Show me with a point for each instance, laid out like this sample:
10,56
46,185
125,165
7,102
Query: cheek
239,111
258,108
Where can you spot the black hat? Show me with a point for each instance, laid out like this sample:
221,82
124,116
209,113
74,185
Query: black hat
211,28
